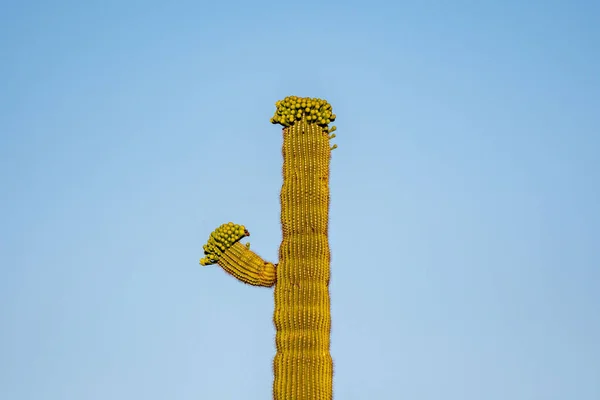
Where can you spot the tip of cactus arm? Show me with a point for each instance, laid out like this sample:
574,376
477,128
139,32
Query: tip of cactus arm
206,262
220,240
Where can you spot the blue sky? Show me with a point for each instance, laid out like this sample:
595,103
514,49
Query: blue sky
464,195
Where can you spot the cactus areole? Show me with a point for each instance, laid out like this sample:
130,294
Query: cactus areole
302,367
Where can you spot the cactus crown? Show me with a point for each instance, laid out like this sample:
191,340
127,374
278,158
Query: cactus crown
294,108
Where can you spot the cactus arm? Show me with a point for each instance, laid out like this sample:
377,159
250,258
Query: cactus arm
246,266
223,248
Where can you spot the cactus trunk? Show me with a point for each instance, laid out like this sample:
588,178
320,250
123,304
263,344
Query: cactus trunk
303,367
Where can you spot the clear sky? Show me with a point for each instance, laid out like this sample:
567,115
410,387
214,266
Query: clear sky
465,195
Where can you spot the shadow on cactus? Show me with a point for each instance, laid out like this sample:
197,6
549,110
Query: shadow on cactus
302,367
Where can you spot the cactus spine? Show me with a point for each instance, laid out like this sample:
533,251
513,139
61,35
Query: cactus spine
303,367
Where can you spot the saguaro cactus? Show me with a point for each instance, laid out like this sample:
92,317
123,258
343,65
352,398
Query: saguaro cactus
302,367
